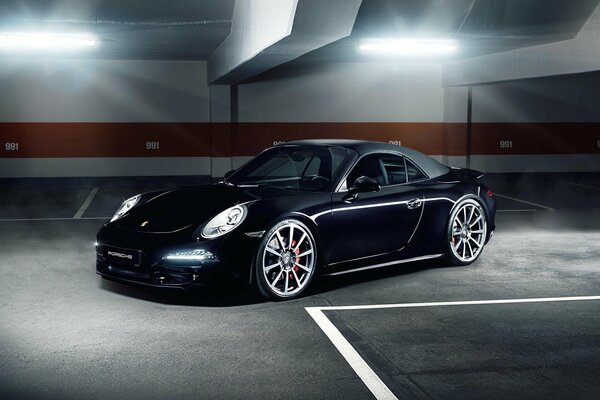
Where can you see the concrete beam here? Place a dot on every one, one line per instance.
(268, 33)
(577, 55)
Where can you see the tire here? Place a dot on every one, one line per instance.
(284, 268)
(466, 233)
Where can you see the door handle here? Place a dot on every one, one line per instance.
(413, 204)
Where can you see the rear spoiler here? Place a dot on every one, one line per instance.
(468, 173)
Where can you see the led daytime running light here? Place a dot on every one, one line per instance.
(190, 255)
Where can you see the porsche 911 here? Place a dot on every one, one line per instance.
(297, 211)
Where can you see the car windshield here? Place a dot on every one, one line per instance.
(309, 168)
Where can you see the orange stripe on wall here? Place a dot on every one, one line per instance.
(105, 139)
(536, 138)
(246, 139)
(251, 138)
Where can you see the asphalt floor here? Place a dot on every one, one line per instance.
(67, 334)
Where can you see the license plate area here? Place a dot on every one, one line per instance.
(123, 256)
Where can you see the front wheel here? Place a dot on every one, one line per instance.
(286, 260)
(467, 231)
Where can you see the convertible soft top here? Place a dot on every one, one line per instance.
(430, 166)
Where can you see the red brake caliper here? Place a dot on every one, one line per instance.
(297, 251)
(452, 240)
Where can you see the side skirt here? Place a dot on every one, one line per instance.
(408, 260)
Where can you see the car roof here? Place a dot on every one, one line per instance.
(430, 166)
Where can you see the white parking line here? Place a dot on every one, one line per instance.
(580, 185)
(362, 369)
(86, 203)
(360, 366)
(524, 201)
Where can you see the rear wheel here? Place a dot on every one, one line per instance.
(467, 231)
(286, 260)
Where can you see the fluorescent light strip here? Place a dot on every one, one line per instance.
(46, 41)
(408, 47)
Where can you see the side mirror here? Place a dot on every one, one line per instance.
(229, 173)
(364, 184)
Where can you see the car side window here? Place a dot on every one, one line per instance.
(367, 166)
(414, 173)
(395, 169)
(386, 169)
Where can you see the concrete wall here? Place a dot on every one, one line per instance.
(401, 103)
(546, 124)
(103, 118)
(97, 118)
(346, 92)
(119, 118)
(455, 126)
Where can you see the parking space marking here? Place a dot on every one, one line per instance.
(362, 369)
(360, 366)
(86, 203)
(524, 201)
(580, 185)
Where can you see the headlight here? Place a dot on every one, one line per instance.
(224, 222)
(126, 206)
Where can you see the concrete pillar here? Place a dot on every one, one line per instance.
(220, 130)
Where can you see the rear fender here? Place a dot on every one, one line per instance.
(467, 174)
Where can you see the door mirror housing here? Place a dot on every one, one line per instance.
(229, 173)
(364, 184)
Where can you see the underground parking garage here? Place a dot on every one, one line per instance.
(280, 199)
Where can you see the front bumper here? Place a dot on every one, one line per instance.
(230, 258)
(161, 275)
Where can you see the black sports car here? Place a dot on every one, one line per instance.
(300, 209)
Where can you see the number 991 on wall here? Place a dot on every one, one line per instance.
(11, 146)
(152, 145)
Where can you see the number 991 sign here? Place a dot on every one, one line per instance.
(11, 146)
(153, 145)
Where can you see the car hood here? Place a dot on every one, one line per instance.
(186, 207)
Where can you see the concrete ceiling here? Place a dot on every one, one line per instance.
(147, 29)
(199, 29)
(479, 26)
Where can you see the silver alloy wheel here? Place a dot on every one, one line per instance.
(288, 259)
(469, 229)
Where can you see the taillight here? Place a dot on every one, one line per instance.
(489, 193)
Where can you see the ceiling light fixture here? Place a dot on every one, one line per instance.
(408, 47)
(46, 41)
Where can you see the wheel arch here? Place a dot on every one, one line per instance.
(455, 208)
(471, 196)
(309, 223)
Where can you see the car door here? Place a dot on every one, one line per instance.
(368, 224)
